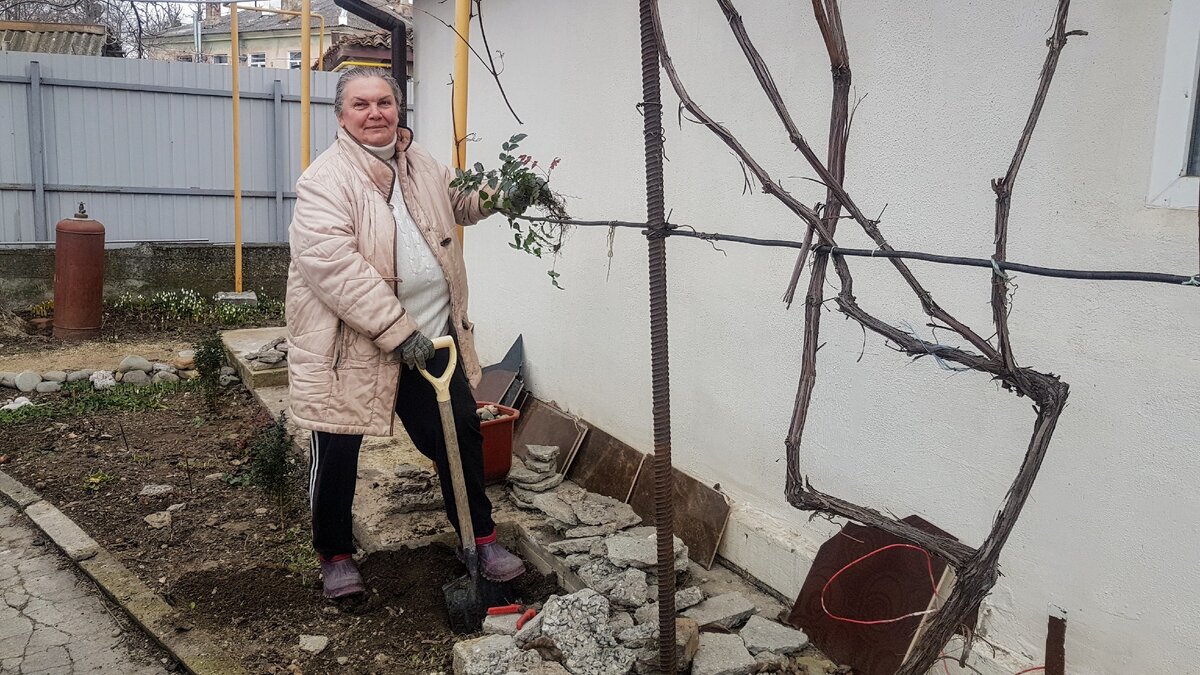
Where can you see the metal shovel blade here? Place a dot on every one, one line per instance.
(464, 605)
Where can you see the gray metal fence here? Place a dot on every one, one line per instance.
(148, 146)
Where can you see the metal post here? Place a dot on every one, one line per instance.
(305, 83)
(280, 166)
(237, 144)
(400, 65)
(664, 483)
(37, 154)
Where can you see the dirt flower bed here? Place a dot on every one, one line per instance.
(165, 487)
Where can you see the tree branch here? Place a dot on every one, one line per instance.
(1003, 186)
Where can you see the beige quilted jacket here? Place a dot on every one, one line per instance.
(343, 317)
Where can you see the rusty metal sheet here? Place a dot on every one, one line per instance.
(890, 584)
(701, 512)
(493, 385)
(542, 423)
(606, 466)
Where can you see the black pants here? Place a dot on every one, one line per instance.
(334, 468)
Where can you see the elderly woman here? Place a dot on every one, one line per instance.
(376, 272)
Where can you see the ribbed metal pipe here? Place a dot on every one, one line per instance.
(664, 493)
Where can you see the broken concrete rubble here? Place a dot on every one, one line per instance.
(569, 546)
(630, 589)
(488, 655)
(542, 453)
(578, 626)
(722, 654)
(762, 635)
(639, 549)
(726, 611)
(503, 624)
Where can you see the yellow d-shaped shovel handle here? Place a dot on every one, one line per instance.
(441, 384)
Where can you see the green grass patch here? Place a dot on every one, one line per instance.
(80, 398)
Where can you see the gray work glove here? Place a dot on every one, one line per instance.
(527, 195)
(416, 350)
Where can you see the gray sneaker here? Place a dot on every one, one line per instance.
(497, 564)
(342, 578)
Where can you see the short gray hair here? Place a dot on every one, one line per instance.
(363, 73)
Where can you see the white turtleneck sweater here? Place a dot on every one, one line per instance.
(422, 288)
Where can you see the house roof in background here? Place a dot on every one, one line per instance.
(54, 38)
(250, 21)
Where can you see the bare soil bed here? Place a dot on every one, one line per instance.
(241, 570)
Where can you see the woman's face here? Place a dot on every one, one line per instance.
(370, 112)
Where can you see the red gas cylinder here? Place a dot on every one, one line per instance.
(78, 277)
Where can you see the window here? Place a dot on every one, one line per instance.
(294, 61)
(220, 59)
(258, 60)
(1175, 171)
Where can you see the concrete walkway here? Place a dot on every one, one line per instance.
(53, 620)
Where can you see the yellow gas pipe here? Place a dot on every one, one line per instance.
(462, 24)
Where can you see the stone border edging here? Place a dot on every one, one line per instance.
(194, 649)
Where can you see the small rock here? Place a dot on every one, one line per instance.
(79, 375)
(542, 453)
(164, 368)
(116, 632)
(727, 611)
(132, 363)
(630, 589)
(502, 624)
(569, 546)
(688, 598)
(165, 376)
(722, 654)
(228, 370)
(343, 660)
(135, 377)
(330, 611)
(772, 659)
(156, 490)
(185, 360)
(261, 511)
(619, 621)
(548, 483)
(412, 471)
(8, 379)
(175, 508)
(313, 644)
(54, 376)
(382, 659)
(48, 387)
(484, 656)
(27, 381)
(762, 635)
(17, 403)
(539, 467)
(552, 506)
(158, 520)
(229, 380)
(102, 379)
(214, 476)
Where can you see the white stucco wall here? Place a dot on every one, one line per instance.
(1110, 533)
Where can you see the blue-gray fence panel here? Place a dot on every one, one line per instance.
(148, 146)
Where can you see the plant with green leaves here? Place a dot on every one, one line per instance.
(272, 465)
(515, 187)
(210, 356)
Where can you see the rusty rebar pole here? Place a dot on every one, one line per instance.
(664, 493)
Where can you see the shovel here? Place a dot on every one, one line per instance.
(466, 598)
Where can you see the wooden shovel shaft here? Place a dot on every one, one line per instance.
(459, 481)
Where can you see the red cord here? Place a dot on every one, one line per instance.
(933, 585)
(932, 581)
